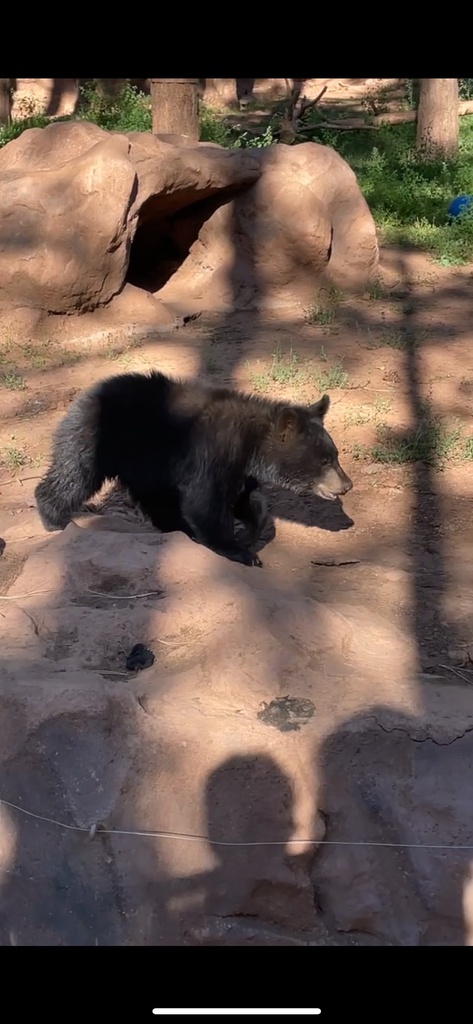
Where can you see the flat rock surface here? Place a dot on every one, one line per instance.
(268, 716)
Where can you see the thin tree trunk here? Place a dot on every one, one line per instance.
(5, 101)
(437, 118)
(175, 107)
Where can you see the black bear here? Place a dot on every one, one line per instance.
(251, 508)
(191, 456)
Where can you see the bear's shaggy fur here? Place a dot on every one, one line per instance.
(191, 456)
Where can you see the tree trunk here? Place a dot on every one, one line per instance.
(5, 101)
(175, 107)
(437, 118)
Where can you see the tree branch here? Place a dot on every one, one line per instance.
(396, 117)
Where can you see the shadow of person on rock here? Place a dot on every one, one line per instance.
(394, 787)
(249, 809)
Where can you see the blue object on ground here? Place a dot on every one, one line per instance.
(459, 205)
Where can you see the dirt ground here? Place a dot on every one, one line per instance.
(379, 357)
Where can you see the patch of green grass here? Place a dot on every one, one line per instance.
(358, 451)
(246, 140)
(36, 358)
(16, 128)
(13, 381)
(390, 337)
(290, 370)
(260, 381)
(127, 111)
(69, 356)
(322, 316)
(358, 415)
(376, 290)
(121, 350)
(284, 369)
(409, 198)
(382, 406)
(467, 449)
(334, 295)
(213, 128)
(37, 355)
(397, 338)
(6, 347)
(14, 457)
(431, 442)
(323, 312)
(331, 377)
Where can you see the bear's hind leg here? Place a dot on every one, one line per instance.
(251, 509)
(163, 509)
(213, 524)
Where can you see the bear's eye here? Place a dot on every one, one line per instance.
(325, 462)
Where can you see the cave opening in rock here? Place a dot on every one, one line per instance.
(168, 225)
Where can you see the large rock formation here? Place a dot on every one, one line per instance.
(267, 717)
(83, 212)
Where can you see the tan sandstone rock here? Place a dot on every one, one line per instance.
(83, 212)
(204, 744)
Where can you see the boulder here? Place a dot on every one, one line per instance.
(269, 723)
(84, 212)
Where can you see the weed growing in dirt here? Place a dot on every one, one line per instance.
(431, 442)
(322, 316)
(290, 370)
(50, 354)
(35, 356)
(376, 291)
(356, 416)
(467, 449)
(331, 377)
(392, 337)
(13, 458)
(12, 381)
(323, 312)
(382, 406)
(283, 370)
(120, 348)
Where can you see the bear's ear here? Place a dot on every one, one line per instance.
(288, 424)
(320, 408)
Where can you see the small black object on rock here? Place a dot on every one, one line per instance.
(139, 657)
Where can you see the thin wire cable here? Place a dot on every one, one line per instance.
(190, 838)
